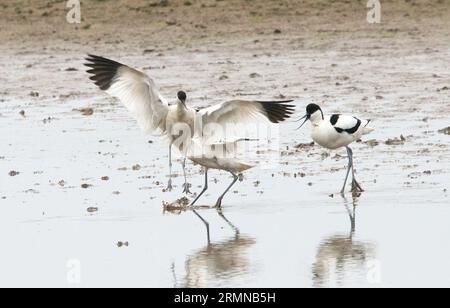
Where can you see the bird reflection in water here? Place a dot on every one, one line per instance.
(217, 261)
(340, 254)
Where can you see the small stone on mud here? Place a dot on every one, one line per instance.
(122, 244)
(372, 142)
(305, 146)
(396, 141)
(445, 131)
(85, 111)
(324, 155)
(47, 120)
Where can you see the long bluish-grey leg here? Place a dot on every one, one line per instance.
(186, 186)
(196, 199)
(169, 185)
(350, 164)
(355, 185)
(205, 188)
(219, 201)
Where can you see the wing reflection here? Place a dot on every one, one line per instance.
(340, 255)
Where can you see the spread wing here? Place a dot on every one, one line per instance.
(136, 90)
(239, 111)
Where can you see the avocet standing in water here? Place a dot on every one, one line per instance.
(337, 131)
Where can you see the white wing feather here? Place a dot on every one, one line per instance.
(135, 89)
(233, 112)
(138, 93)
(234, 116)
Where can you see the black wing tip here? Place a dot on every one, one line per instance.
(90, 56)
(278, 111)
(103, 70)
(93, 58)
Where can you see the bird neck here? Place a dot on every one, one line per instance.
(316, 117)
(181, 107)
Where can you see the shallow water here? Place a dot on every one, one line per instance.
(294, 231)
(290, 234)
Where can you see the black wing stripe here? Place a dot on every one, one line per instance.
(350, 131)
(355, 128)
(334, 119)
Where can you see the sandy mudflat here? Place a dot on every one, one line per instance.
(89, 187)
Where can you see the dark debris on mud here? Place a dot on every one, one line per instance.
(123, 244)
(396, 141)
(176, 207)
(85, 111)
(445, 131)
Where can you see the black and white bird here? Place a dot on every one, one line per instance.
(336, 131)
(138, 92)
